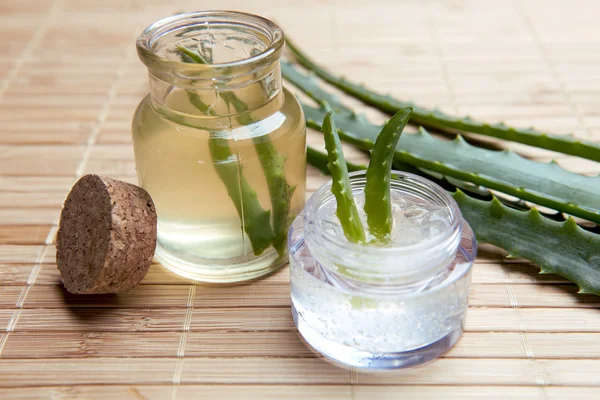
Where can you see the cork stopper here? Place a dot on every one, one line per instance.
(107, 236)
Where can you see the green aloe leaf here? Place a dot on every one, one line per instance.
(378, 206)
(191, 56)
(272, 163)
(435, 119)
(310, 86)
(557, 247)
(347, 211)
(561, 248)
(256, 221)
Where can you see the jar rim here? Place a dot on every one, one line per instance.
(150, 35)
(447, 239)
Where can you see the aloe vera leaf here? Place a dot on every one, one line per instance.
(310, 87)
(272, 163)
(194, 56)
(256, 221)
(481, 193)
(378, 206)
(280, 191)
(200, 105)
(435, 119)
(545, 184)
(558, 247)
(561, 248)
(346, 211)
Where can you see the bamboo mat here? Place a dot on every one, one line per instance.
(70, 80)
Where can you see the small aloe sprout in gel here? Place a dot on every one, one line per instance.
(378, 206)
(347, 212)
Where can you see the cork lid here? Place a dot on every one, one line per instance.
(107, 236)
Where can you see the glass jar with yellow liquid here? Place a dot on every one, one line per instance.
(219, 144)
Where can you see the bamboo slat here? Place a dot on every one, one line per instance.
(295, 392)
(156, 296)
(19, 254)
(28, 184)
(9, 296)
(293, 371)
(39, 160)
(35, 136)
(15, 274)
(276, 344)
(253, 319)
(50, 253)
(158, 275)
(5, 317)
(276, 294)
(540, 319)
(24, 234)
(62, 320)
(69, 84)
(31, 200)
(28, 216)
(475, 392)
(86, 371)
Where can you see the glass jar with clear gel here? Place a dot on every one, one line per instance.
(219, 144)
(382, 307)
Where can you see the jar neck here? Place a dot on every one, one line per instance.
(392, 267)
(239, 73)
(225, 106)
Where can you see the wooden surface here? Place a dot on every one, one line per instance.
(70, 80)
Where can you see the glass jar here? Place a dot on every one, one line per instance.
(219, 144)
(382, 307)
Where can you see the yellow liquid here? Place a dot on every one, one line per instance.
(200, 232)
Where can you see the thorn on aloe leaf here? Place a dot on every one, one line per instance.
(496, 208)
(459, 139)
(570, 225)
